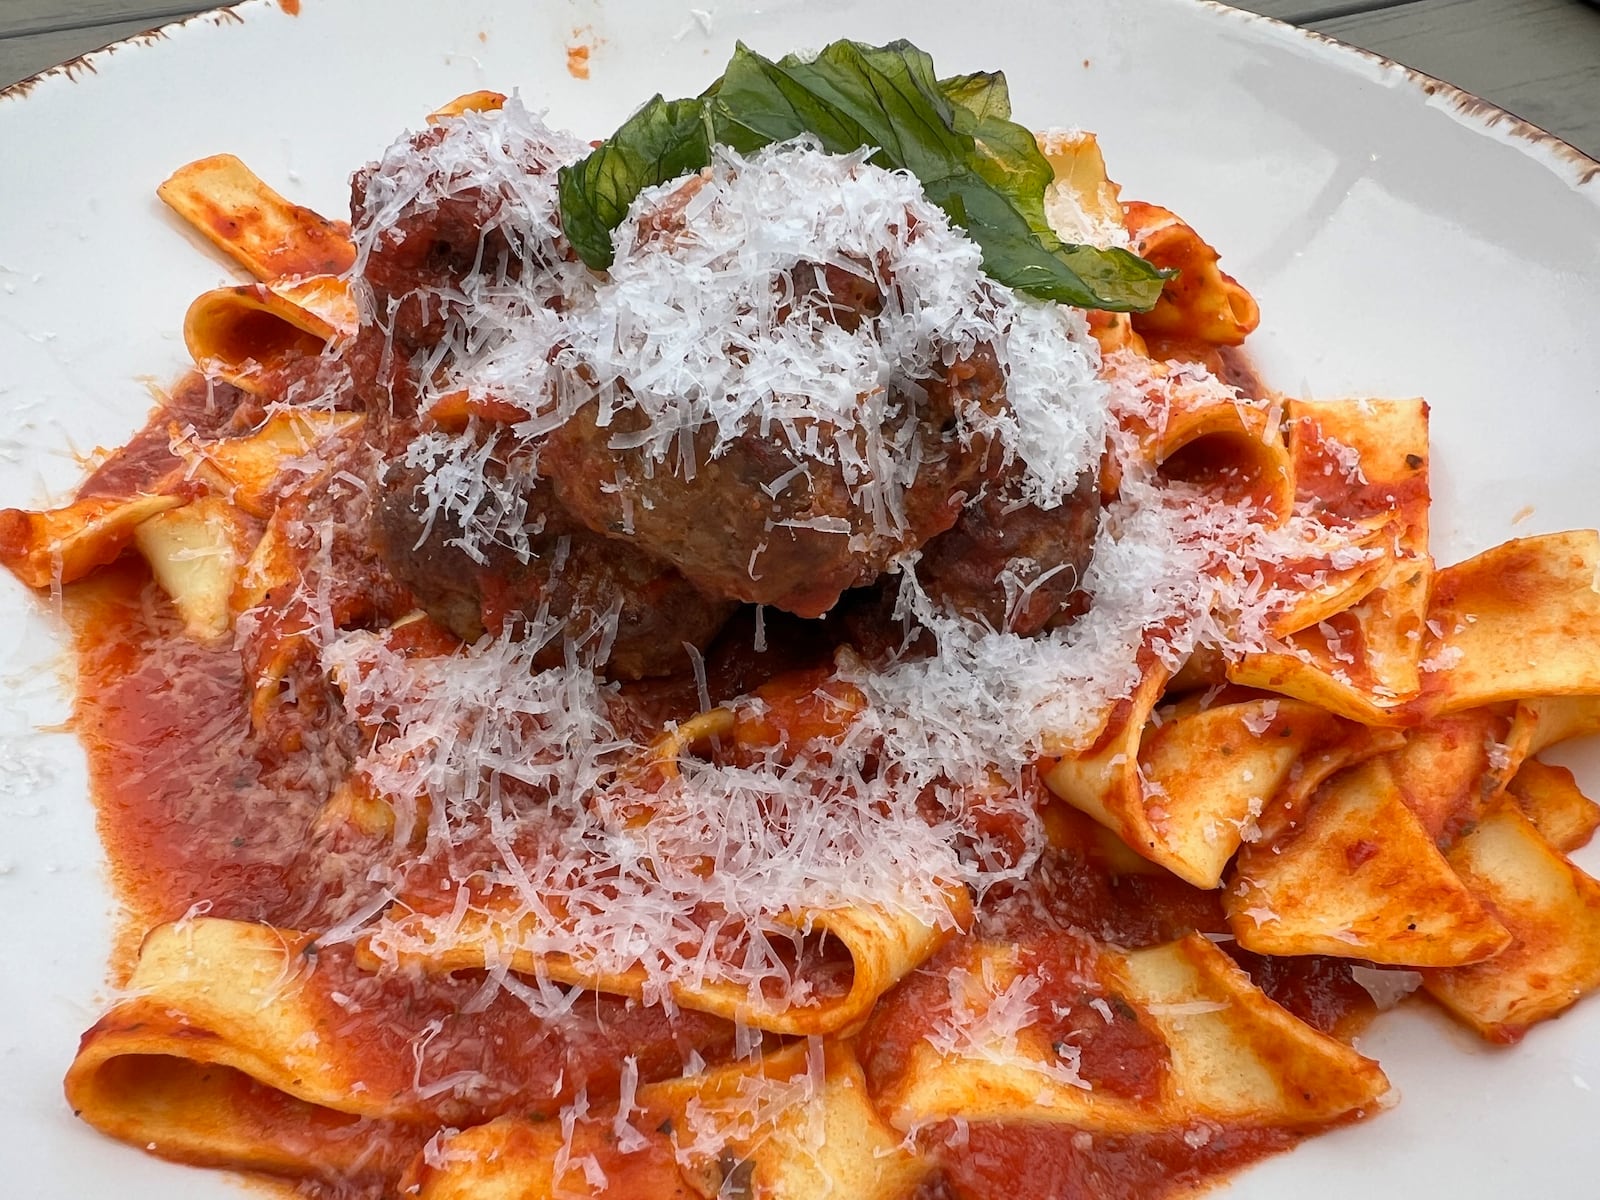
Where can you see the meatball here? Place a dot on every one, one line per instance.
(790, 377)
(460, 246)
(449, 214)
(794, 373)
(753, 524)
(421, 260)
(570, 575)
(1043, 553)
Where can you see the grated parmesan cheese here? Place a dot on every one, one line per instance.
(515, 777)
(985, 1022)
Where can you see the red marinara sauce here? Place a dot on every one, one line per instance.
(1055, 923)
(195, 820)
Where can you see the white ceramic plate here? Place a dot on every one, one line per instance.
(1400, 239)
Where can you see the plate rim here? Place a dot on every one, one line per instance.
(1485, 118)
(1272, 35)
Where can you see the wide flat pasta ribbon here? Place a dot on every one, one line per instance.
(61, 545)
(1552, 910)
(236, 211)
(1360, 877)
(1203, 303)
(1549, 797)
(881, 945)
(793, 1125)
(219, 1055)
(1518, 621)
(249, 334)
(1353, 645)
(197, 554)
(1205, 434)
(1185, 789)
(1234, 1057)
(291, 448)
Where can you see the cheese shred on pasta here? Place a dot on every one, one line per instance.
(553, 858)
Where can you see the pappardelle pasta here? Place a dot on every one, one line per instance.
(748, 660)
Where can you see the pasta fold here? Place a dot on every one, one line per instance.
(245, 334)
(1232, 1056)
(218, 1055)
(879, 948)
(237, 212)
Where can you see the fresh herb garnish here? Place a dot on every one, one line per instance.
(955, 135)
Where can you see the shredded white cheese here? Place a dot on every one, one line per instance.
(483, 748)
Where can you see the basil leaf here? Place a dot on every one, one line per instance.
(984, 171)
(955, 135)
(1009, 159)
(888, 94)
(665, 139)
(983, 94)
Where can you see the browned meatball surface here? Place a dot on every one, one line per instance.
(448, 215)
(1043, 552)
(571, 576)
(757, 523)
(757, 527)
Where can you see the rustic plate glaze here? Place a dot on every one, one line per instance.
(1402, 238)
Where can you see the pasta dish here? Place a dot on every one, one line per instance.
(786, 652)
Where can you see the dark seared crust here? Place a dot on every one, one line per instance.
(727, 533)
(430, 248)
(573, 574)
(423, 255)
(961, 569)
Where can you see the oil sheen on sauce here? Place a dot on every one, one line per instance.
(195, 818)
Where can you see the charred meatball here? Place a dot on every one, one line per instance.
(564, 572)
(1012, 565)
(786, 382)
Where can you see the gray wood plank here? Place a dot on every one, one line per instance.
(1537, 58)
(21, 17)
(1299, 12)
(34, 52)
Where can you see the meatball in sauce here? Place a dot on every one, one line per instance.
(794, 380)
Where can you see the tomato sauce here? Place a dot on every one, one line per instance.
(459, 1060)
(201, 814)
(987, 1162)
(194, 818)
(1322, 476)
(186, 813)
(196, 821)
(209, 408)
(1054, 923)
(1085, 1021)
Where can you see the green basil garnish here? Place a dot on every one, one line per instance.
(955, 135)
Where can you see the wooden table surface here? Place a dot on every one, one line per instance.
(1538, 58)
